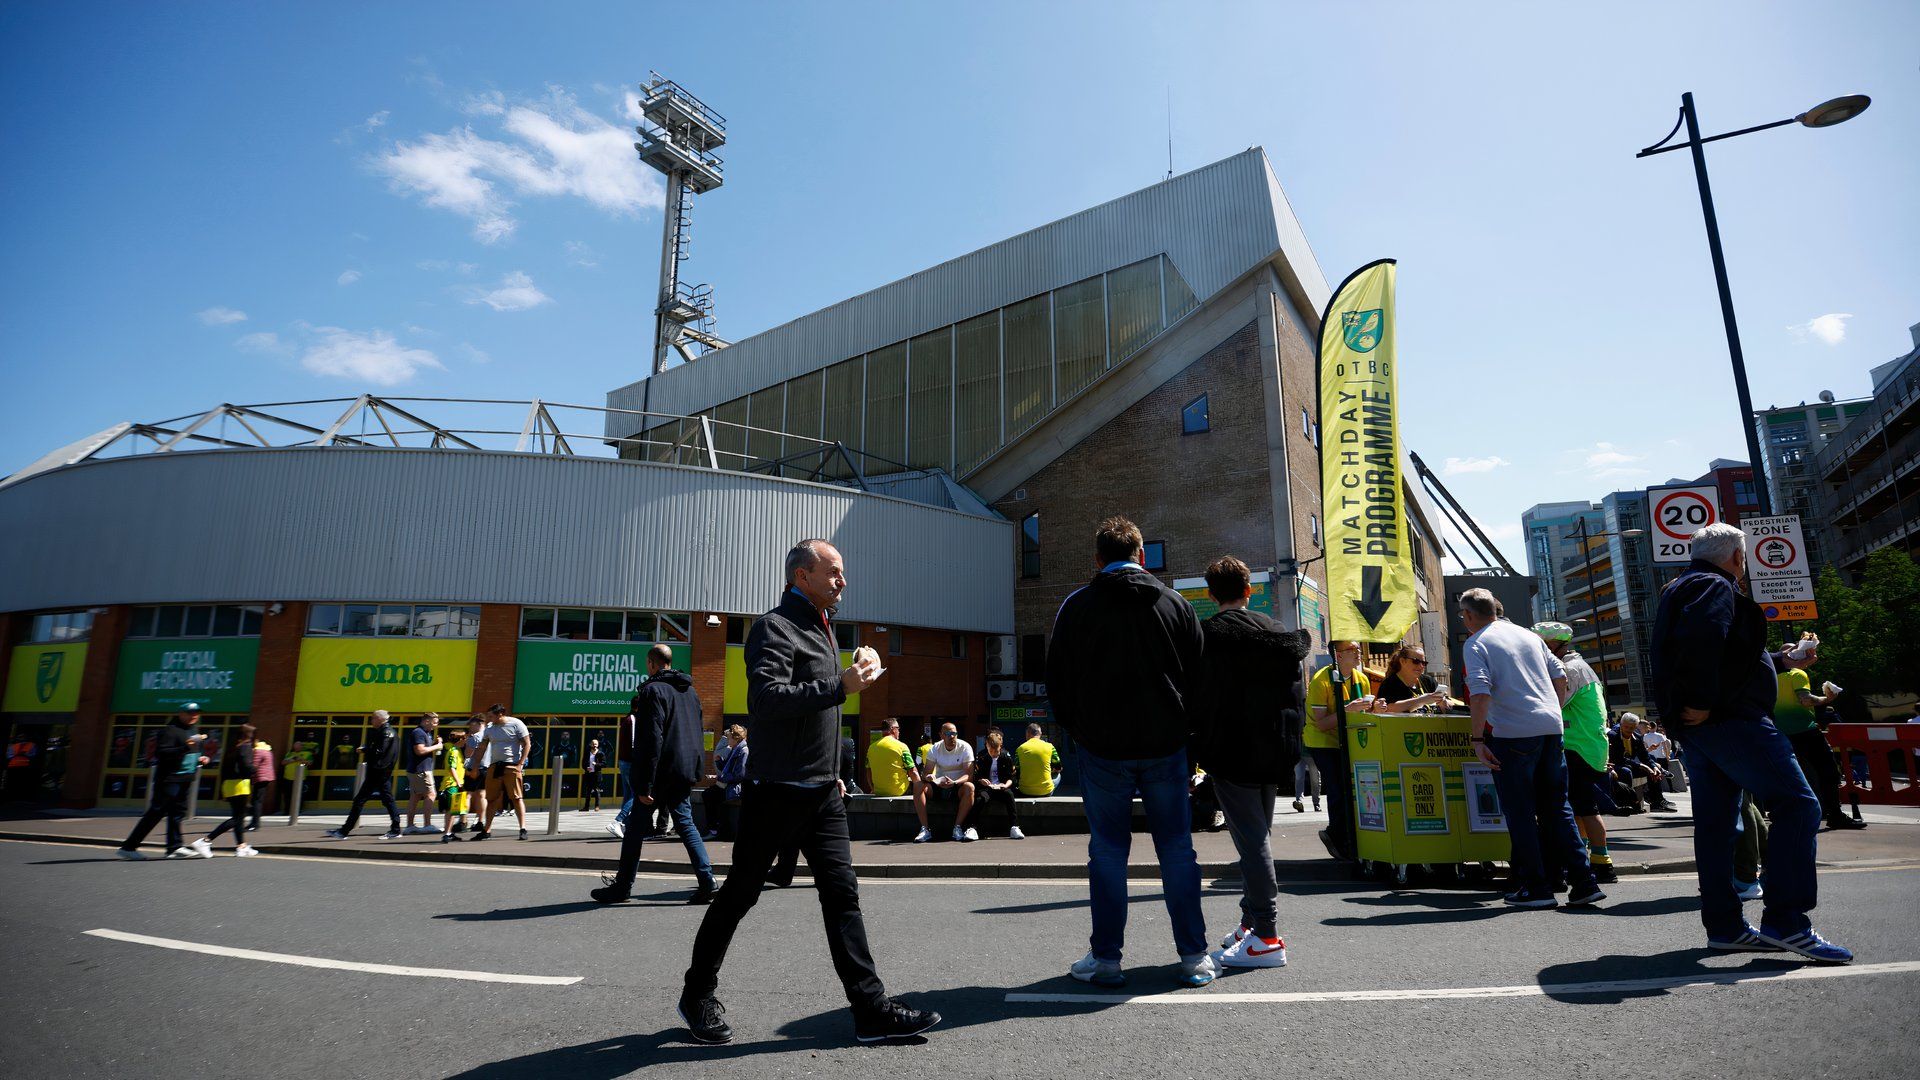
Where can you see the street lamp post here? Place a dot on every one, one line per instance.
(1826, 114)
(1586, 554)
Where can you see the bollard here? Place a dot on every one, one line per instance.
(553, 803)
(153, 783)
(359, 778)
(193, 797)
(299, 788)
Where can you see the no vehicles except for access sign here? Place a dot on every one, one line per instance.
(1777, 570)
(1677, 512)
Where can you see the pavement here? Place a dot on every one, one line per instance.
(1645, 843)
(346, 967)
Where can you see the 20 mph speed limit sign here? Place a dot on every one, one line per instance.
(1676, 512)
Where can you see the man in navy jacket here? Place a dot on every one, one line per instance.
(666, 764)
(793, 798)
(1714, 684)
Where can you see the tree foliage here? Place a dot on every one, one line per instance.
(1870, 636)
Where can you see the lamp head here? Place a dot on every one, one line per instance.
(1837, 111)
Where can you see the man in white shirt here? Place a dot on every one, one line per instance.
(507, 743)
(949, 779)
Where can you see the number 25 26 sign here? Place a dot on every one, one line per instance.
(1676, 512)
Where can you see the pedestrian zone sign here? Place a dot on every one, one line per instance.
(1677, 512)
(1777, 571)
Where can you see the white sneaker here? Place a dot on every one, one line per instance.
(925, 834)
(130, 855)
(957, 834)
(335, 834)
(1098, 972)
(1219, 819)
(1233, 939)
(1199, 970)
(1253, 951)
(181, 853)
(1015, 833)
(1748, 890)
(201, 849)
(970, 835)
(245, 851)
(617, 830)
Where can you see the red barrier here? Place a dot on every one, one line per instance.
(1883, 745)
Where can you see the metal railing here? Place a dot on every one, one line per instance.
(1867, 426)
(1896, 460)
(374, 422)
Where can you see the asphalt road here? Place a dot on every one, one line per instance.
(85, 1006)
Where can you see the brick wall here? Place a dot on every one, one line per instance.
(710, 672)
(92, 716)
(273, 679)
(1204, 495)
(494, 656)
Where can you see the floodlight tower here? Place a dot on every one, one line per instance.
(678, 138)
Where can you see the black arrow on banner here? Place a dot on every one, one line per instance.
(1371, 607)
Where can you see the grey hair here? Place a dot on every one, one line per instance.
(802, 556)
(1717, 542)
(1480, 602)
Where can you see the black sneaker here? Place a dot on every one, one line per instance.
(1531, 900)
(1326, 838)
(1586, 897)
(705, 1020)
(703, 895)
(1844, 822)
(892, 1020)
(523, 834)
(481, 834)
(1605, 874)
(612, 890)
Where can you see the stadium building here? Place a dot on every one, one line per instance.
(957, 434)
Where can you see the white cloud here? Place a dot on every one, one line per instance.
(516, 292)
(1455, 466)
(373, 356)
(377, 119)
(222, 316)
(1605, 461)
(478, 356)
(265, 343)
(552, 148)
(348, 277)
(1826, 329)
(579, 254)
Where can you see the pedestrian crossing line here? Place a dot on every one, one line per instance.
(1620, 986)
(338, 965)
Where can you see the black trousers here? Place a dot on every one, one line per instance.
(238, 822)
(258, 800)
(374, 787)
(1336, 784)
(170, 802)
(775, 818)
(985, 797)
(1823, 776)
(714, 801)
(590, 785)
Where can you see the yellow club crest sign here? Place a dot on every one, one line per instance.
(1369, 558)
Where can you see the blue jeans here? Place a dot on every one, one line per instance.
(1108, 788)
(1532, 785)
(1724, 759)
(626, 785)
(682, 814)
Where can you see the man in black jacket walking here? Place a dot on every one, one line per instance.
(795, 687)
(666, 764)
(1122, 670)
(1246, 730)
(1713, 680)
(379, 752)
(176, 768)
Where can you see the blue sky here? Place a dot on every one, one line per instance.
(251, 203)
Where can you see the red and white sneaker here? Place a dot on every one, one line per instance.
(1233, 939)
(1254, 951)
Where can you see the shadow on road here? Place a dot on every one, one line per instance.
(676, 898)
(1664, 905)
(1569, 982)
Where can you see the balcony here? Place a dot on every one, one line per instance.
(1867, 496)
(1890, 416)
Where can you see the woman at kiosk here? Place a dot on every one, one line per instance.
(1407, 687)
(1340, 685)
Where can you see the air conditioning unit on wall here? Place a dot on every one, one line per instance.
(1000, 690)
(1002, 655)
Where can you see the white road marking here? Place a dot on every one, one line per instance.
(1626, 986)
(338, 965)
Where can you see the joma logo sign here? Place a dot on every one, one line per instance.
(402, 674)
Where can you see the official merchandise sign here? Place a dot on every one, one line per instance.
(403, 675)
(160, 675)
(1259, 595)
(1777, 570)
(587, 677)
(45, 678)
(1675, 513)
(1369, 558)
